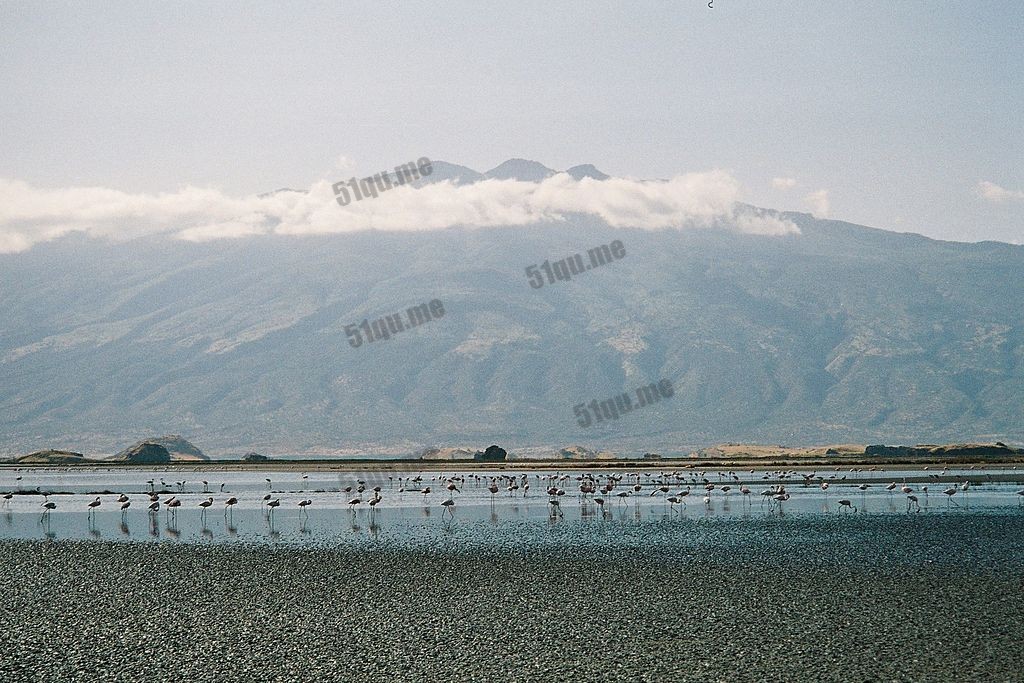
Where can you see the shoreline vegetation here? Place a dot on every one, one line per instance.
(188, 458)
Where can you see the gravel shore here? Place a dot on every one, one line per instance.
(803, 599)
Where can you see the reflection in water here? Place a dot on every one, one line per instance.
(124, 529)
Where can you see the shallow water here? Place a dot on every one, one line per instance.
(477, 517)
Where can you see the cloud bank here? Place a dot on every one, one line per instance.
(994, 193)
(819, 204)
(783, 183)
(30, 215)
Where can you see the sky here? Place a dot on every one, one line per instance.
(900, 115)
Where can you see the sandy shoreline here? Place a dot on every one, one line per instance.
(837, 599)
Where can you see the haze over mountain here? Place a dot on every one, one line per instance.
(835, 333)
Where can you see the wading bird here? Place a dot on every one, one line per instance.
(845, 503)
(950, 492)
(912, 501)
(93, 505)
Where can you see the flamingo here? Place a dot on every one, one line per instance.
(47, 507)
(229, 504)
(1020, 499)
(950, 492)
(122, 498)
(845, 503)
(154, 506)
(449, 507)
(93, 505)
(273, 505)
(7, 499)
(124, 508)
(912, 500)
(205, 505)
(352, 504)
(303, 504)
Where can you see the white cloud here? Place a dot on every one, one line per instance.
(29, 215)
(818, 203)
(995, 193)
(783, 183)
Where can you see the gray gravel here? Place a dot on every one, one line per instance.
(854, 598)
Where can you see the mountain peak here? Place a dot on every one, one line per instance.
(520, 169)
(587, 171)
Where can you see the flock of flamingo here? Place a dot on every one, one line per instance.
(603, 490)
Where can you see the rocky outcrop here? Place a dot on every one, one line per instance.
(51, 457)
(144, 453)
(492, 454)
(179, 448)
(253, 456)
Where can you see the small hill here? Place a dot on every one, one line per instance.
(494, 453)
(253, 456)
(179, 448)
(144, 453)
(52, 457)
(584, 453)
(446, 454)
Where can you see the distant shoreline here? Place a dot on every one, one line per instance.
(416, 465)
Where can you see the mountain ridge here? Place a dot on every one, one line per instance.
(839, 334)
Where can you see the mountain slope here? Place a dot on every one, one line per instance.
(838, 334)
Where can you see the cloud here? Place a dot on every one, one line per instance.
(783, 183)
(30, 215)
(995, 193)
(818, 203)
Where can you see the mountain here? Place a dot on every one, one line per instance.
(587, 171)
(839, 334)
(442, 171)
(520, 169)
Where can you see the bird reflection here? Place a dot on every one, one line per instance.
(124, 529)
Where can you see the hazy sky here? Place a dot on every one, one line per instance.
(902, 115)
